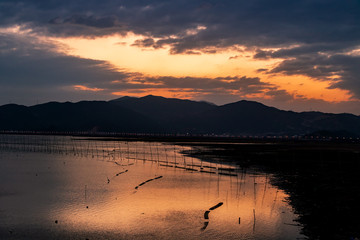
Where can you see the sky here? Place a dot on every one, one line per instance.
(294, 55)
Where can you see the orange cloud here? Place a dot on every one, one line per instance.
(84, 88)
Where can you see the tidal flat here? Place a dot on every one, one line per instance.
(61, 187)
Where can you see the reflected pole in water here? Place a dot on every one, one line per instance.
(92, 149)
(97, 151)
(254, 221)
(255, 190)
(182, 149)
(192, 157)
(266, 181)
(218, 185)
(273, 206)
(88, 148)
(151, 156)
(166, 158)
(157, 152)
(103, 150)
(175, 155)
(114, 151)
(120, 151)
(136, 155)
(237, 189)
(73, 145)
(128, 151)
(144, 148)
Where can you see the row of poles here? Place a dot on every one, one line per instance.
(167, 155)
(126, 153)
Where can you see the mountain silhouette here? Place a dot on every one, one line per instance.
(153, 114)
(81, 116)
(248, 117)
(174, 115)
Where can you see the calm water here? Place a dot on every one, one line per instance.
(65, 188)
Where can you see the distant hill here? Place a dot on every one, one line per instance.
(247, 117)
(171, 113)
(152, 114)
(81, 116)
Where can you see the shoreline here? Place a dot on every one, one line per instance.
(195, 138)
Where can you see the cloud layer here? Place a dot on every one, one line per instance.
(29, 64)
(318, 39)
(187, 25)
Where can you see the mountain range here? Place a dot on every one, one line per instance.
(153, 114)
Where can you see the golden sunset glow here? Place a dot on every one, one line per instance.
(186, 120)
(302, 86)
(181, 56)
(163, 202)
(84, 88)
(119, 51)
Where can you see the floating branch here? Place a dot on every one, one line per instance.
(123, 165)
(205, 226)
(147, 181)
(206, 215)
(121, 172)
(216, 206)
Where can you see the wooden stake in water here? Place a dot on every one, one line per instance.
(175, 154)
(128, 151)
(151, 156)
(254, 221)
(157, 153)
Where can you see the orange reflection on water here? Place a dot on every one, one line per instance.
(175, 204)
(110, 190)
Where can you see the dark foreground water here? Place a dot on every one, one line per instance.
(321, 179)
(63, 188)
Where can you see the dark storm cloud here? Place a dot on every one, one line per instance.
(252, 23)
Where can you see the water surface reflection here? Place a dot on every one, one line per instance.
(133, 190)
